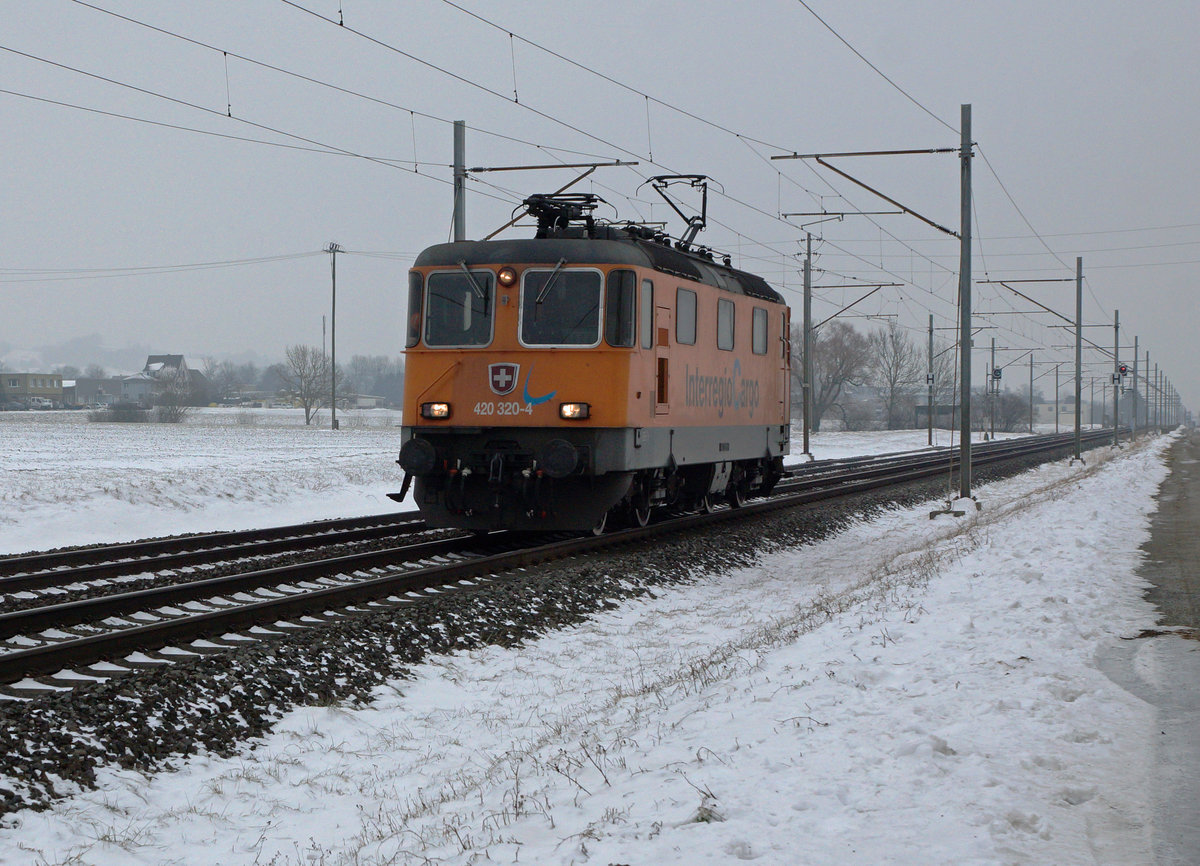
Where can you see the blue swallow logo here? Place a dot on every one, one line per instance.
(531, 400)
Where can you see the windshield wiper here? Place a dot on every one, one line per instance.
(471, 277)
(550, 282)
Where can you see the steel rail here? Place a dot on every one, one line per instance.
(842, 469)
(70, 613)
(40, 570)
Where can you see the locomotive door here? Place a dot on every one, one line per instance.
(662, 360)
(785, 360)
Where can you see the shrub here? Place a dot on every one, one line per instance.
(123, 413)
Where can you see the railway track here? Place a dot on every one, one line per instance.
(39, 570)
(61, 644)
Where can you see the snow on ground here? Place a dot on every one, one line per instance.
(65, 480)
(911, 691)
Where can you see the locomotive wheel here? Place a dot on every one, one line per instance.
(707, 504)
(639, 513)
(601, 524)
(736, 495)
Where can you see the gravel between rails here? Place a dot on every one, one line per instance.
(148, 718)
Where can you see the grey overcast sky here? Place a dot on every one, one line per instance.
(172, 170)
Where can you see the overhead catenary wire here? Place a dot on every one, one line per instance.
(881, 74)
(316, 81)
(192, 105)
(38, 275)
(198, 131)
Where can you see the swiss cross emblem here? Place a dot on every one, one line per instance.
(502, 377)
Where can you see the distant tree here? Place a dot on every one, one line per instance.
(272, 378)
(1012, 411)
(840, 358)
(306, 374)
(378, 375)
(247, 375)
(67, 371)
(859, 413)
(95, 371)
(222, 377)
(173, 395)
(894, 369)
(390, 386)
(1011, 408)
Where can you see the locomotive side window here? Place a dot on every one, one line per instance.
(459, 309)
(647, 314)
(619, 322)
(560, 307)
(758, 339)
(685, 317)
(724, 324)
(416, 290)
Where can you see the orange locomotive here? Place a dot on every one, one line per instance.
(594, 370)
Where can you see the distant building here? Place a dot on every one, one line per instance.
(1044, 413)
(138, 390)
(41, 390)
(945, 415)
(90, 391)
(158, 366)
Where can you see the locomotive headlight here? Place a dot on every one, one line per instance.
(507, 277)
(574, 411)
(435, 410)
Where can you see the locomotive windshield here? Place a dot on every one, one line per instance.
(459, 309)
(560, 307)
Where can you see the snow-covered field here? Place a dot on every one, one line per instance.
(65, 480)
(910, 691)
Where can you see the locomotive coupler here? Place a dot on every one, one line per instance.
(496, 469)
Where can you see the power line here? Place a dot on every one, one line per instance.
(609, 78)
(209, 132)
(878, 71)
(192, 105)
(1074, 234)
(459, 78)
(311, 80)
(44, 275)
(1027, 255)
